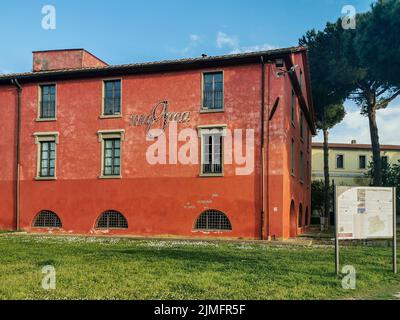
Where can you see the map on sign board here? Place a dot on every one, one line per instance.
(364, 212)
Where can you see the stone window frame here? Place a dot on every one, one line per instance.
(39, 101)
(207, 129)
(110, 134)
(103, 95)
(45, 137)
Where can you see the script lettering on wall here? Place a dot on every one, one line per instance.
(159, 115)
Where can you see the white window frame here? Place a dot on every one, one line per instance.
(45, 137)
(206, 130)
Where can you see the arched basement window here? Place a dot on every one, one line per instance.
(213, 220)
(47, 219)
(112, 220)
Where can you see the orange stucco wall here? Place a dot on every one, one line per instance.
(155, 199)
(64, 59)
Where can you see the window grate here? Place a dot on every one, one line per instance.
(213, 220)
(112, 220)
(212, 154)
(47, 219)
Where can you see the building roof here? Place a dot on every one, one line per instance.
(356, 146)
(150, 66)
(175, 65)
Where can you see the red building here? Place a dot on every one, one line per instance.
(211, 146)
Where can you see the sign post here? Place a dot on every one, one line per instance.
(336, 234)
(394, 246)
(365, 213)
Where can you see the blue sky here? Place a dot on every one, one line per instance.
(137, 30)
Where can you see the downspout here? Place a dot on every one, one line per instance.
(262, 148)
(17, 173)
(268, 131)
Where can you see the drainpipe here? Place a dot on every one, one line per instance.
(17, 173)
(262, 147)
(267, 156)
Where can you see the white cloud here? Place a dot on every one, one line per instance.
(356, 127)
(194, 38)
(194, 41)
(225, 40)
(232, 42)
(262, 47)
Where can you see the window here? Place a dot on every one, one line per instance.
(47, 158)
(339, 161)
(46, 155)
(47, 219)
(292, 157)
(213, 91)
(47, 102)
(301, 167)
(293, 107)
(362, 162)
(385, 162)
(112, 157)
(301, 126)
(111, 220)
(112, 98)
(211, 151)
(213, 220)
(111, 150)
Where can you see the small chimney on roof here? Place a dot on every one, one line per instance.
(353, 141)
(65, 59)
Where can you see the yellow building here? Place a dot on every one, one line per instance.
(348, 163)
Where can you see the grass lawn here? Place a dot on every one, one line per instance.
(115, 268)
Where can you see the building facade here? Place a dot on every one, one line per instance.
(349, 163)
(209, 147)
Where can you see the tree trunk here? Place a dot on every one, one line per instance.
(326, 179)
(376, 148)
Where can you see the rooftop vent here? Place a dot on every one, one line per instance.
(65, 59)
